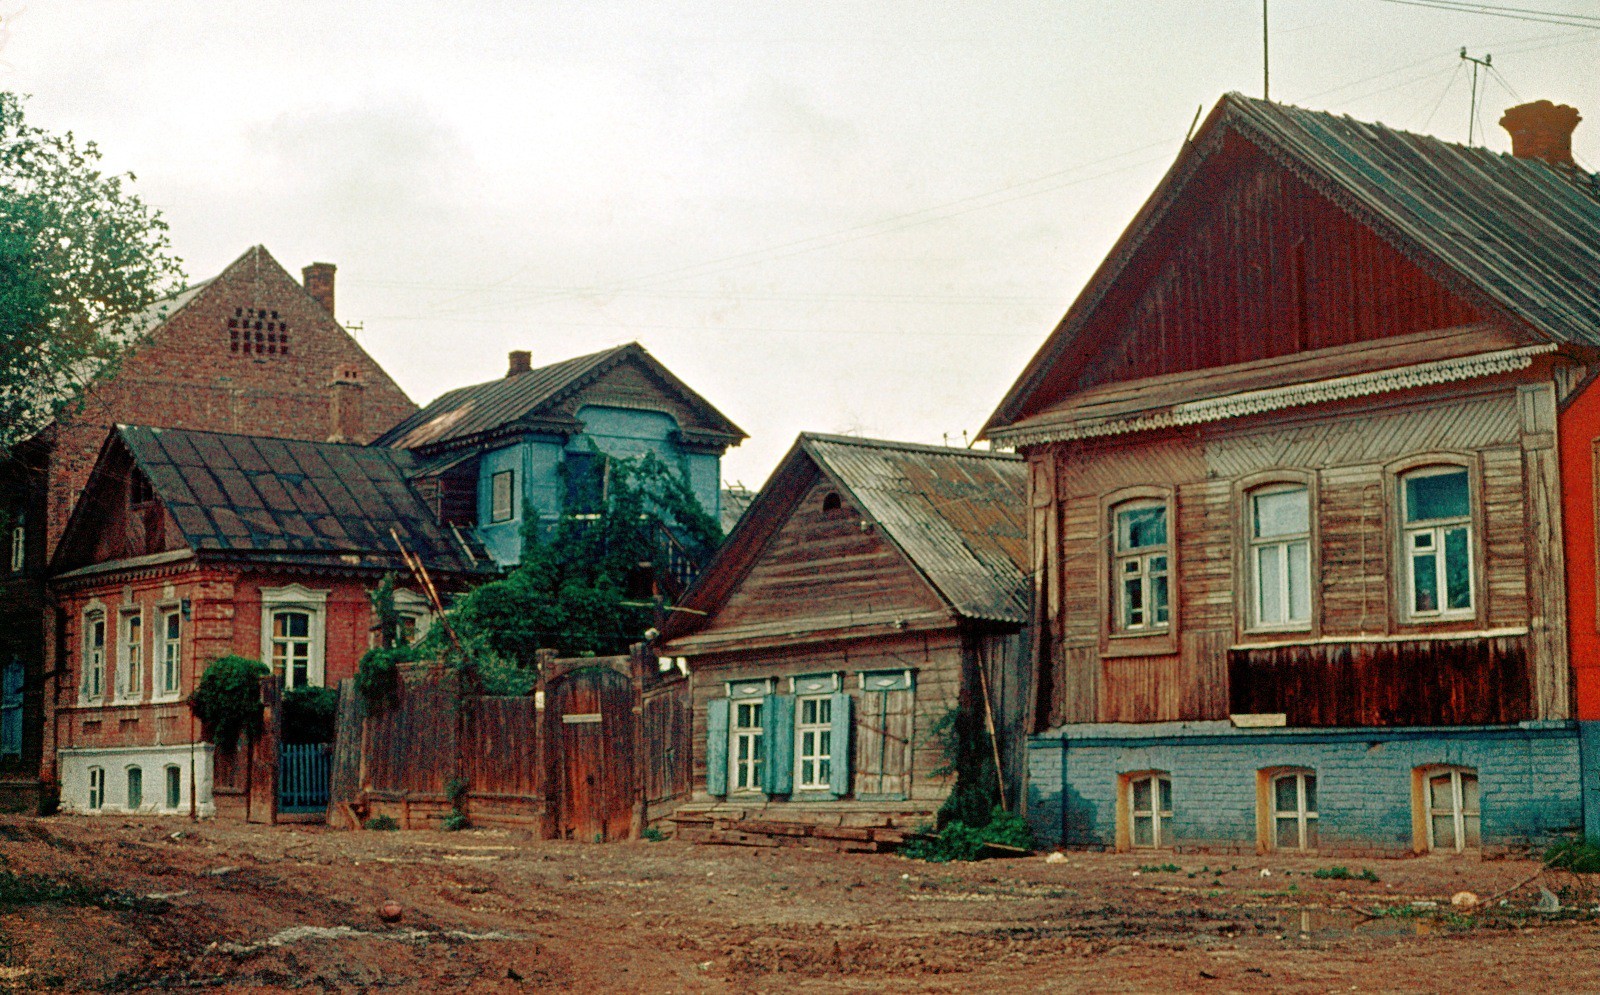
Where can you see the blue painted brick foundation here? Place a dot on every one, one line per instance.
(1529, 778)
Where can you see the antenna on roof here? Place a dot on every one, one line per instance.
(355, 328)
(1266, 76)
(1486, 62)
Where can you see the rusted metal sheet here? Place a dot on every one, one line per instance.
(1410, 683)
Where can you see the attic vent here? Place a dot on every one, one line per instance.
(831, 503)
(257, 332)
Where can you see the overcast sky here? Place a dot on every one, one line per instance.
(838, 217)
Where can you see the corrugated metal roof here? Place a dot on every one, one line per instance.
(471, 411)
(959, 515)
(291, 500)
(1524, 232)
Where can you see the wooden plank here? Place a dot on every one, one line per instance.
(1547, 607)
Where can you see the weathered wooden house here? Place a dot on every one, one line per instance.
(1312, 488)
(536, 440)
(188, 546)
(870, 589)
(249, 350)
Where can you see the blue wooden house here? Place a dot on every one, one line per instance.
(536, 441)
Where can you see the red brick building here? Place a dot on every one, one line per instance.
(189, 546)
(249, 350)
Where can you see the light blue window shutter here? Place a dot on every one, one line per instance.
(777, 744)
(839, 772)
(11, 683)
(717, 746)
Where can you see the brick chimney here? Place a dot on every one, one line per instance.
(521, 362)
(1542, 130)
(344, 405)
(318, 279)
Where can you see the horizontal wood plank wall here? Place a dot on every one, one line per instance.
(935, 656)
(629, 386)
(822, 567)
(1351, 447)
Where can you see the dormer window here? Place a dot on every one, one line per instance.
(139, 490)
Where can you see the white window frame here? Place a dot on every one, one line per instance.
(497, 513)
(415, 609)
(1456, 810)
(295, 598)
(1139, 564)
(169, 659)
(130, 654)
(1159, 814)
(1304, 814)
(97, 789)
(1279, 548)
(19, 547)
(1432, 531)
(819, 752)
(744, 773)
(94, 654)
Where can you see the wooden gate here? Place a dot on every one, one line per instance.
(590, 717)
(303, 777)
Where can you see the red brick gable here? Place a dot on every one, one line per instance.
(197, 372)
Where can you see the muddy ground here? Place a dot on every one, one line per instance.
(130, 905)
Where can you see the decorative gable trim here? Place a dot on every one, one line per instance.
(1257, 402)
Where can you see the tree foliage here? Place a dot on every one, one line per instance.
(228, 699)
(582, 588)
(83, 263)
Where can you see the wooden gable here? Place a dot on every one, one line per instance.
(1236, 259)
(118, 516)
(824, 566)
(636, 383)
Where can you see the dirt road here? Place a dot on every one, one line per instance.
(129, 905)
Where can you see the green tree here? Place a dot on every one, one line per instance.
(83, 263)
(579, 589)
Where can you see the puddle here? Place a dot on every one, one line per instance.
(1340, 924)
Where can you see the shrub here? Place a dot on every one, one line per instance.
(499, 676)
(228, 699)
(378, 674)
(959, 841)
(1578, 856)
(309, 714)
(454, 821)
(382, 823)
(653, 834)
(1343, 874)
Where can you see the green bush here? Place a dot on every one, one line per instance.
(1578, 856)
(455, 820)
(228, 699)
(653, 834)
(959, 841)
(499, 676)
(309, 715)
(378, 673)
(382, 823)
(1343, 874)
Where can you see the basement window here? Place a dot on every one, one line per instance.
(1145, 811)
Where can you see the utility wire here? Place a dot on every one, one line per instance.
(1510, 13)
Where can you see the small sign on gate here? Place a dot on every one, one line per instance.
(581, 718)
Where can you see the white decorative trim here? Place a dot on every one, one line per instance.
(1403, 637)
(315, 604)
(1255, 402)
(417, 608)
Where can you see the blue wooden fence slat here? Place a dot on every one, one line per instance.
(303, 770)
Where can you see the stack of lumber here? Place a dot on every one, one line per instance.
(705, 827)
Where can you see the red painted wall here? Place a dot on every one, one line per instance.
(1578, 428)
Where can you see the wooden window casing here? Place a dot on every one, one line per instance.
(1248, 550)
(135, 797)
(502, 496)
(1121, 563)
(1402, 533)
(1286, 810)
(94, 655)
(174, 786)
(1445, 809)
(813, 731)
(1144, 810)
(745, 747)
(130, 662)
(169, 658)
(97, 788)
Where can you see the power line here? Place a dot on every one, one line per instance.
(1510, 13)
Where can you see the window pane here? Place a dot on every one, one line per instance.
(808, 711)
(1299, 582)
(1288, 837)
(1311, 834)
(1311, 793)
(1457, 568)
(1444, 832)
(1269, 601)
(173, 783)
(1437, 495)
(824, 771)
(1141, 795)
(1425, 583)
(1440, 795)
(1473, 836)
(827, 744)
(135, 787)
(824, 711)
(1143, 831)
(808, 770)
(1158, 599)
(1286, 794)
(1132, 603)
(1469, 792)
(1138, 528)
(1166, 794)
(1282, 513)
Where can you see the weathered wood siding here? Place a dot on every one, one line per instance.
(1349, 453)
(1252, 263)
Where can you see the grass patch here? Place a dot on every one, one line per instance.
(652, 834)
(1578, 856)
(959, 841)
(382, 823)
(1160, 869)
(1344, 874)
(19, 891)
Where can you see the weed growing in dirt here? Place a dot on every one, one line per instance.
(382, 823)
(653, 834)
(1160, 869)
(1578, 856)
(453, 821)
(22, 890)
(1344, 874)
(959, 841)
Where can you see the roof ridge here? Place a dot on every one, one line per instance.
(253, 435)
(856, 440)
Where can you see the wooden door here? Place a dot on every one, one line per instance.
(590, 713)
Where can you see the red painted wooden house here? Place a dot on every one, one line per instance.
(188, 546)
(1312, 497)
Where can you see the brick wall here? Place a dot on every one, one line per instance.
(1528, 776)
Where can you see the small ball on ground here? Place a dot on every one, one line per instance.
(389, 911)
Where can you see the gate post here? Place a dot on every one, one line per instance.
(641, 659)
(262, 804)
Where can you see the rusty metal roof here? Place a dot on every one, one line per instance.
(466, 413)
(1518, 235)
(959, 515)
(293, 501)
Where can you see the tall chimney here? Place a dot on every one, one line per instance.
(1542, 130)
(521, 362)
(344, 406)
(319, 283)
